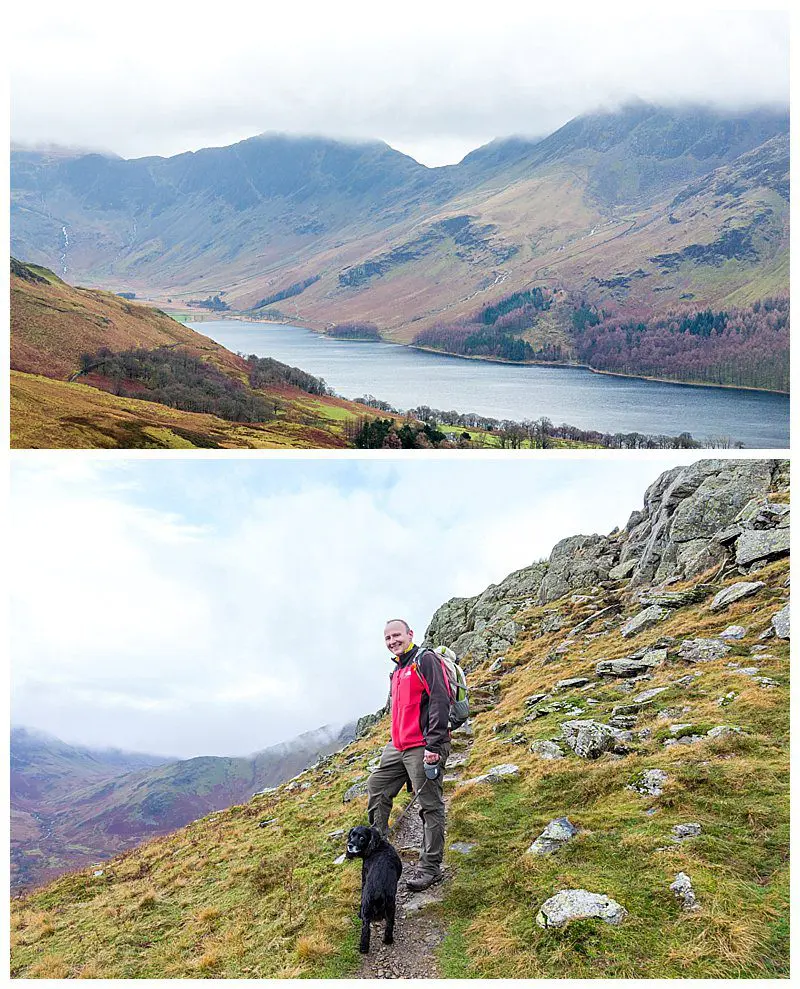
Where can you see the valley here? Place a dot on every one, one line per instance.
(642, 216)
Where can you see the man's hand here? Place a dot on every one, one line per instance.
(430, 757)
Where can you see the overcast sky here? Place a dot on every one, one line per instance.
(215, 607)
(433, 79)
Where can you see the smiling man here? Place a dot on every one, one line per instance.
(420, 706)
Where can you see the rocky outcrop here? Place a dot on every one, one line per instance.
(710, 513)
(577, 563)
(674, 535)
(482, 627)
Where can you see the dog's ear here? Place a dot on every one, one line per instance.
(374, 840)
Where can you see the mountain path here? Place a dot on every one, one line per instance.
(417, 932)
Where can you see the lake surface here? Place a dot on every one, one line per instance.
(408, 378)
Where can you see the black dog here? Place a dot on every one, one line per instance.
(379, 875)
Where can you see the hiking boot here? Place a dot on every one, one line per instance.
(422, 880)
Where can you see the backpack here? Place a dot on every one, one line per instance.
(456, 684)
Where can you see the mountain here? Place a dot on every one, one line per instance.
(72, 805)
(635, 684)
(374, 236)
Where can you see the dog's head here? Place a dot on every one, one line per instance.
(362, 842)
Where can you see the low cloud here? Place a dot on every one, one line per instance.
(437, 82)
(151, 611)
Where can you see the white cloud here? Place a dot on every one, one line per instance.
(152, 612)
(436, 81)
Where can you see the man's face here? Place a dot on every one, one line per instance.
(397, 638)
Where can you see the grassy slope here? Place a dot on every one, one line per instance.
(50, 414)
(52, 324)
(227, 898)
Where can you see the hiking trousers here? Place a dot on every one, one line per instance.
(388, 780)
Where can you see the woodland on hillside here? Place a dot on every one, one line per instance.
(740, 346)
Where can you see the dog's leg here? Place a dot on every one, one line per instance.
(388, 934)
(364, 946)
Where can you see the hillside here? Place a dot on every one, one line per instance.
(72, 806)
(91, 369)
(360, 233)
(636, 684)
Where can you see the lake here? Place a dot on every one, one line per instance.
(407, 378)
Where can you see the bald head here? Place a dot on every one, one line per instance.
(398, 636)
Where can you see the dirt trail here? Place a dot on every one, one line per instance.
(417, 933)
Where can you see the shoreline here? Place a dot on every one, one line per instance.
(499, 360)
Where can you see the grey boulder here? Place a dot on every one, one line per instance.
(702, 650)
(579, 904)
(589, 739)
(644, 619)
(735, 593)
(780, 622)
(557, 833)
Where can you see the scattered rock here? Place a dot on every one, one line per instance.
(356, 790)
(648, 695)
(463, 847)
(702, 650)
(546, 750)
(681, 832)
(682, 888)
(627, 667)
(579, 904)
(727, 699)
(682, 740)
(624, 721)
(534, 699)
(780, 623)
(339, 833)
(735, 593)
(496, 773)
(644, 619)
(571, 683)
(497, 665)
(557, 833)
(650, 783)
(589, 739)
(418, 902)
(723, 731)
(677, 599)
(340, 860)
(97, 873)
(733, 632)
(274, 820)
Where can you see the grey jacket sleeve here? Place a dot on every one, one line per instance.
(437, 733)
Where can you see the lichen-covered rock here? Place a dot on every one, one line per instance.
(572, 683)
(557, 833)
(546, 749)
(723, 731)
(681, 832)
(356, 790)
(626, 667)
(650, 783)
(589, 739)
(682, 888)
(780, 622)
(648, 695)
(579, 904)
(735, 592)
(644, 619)
(702, 650)
(733, 632)
(576, 563)
(496, 773)
(463, 847)
(764, 544)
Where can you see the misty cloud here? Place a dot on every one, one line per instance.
(436, 82)
(217, 607)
